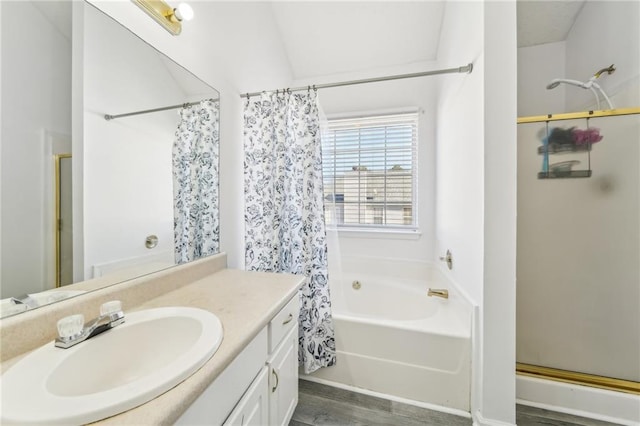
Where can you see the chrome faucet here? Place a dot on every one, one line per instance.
(26, 300)
(73, 330)
(438, 292)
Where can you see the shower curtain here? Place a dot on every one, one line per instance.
(195, 182)
(284, 210)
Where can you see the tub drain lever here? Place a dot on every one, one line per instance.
(448, 258)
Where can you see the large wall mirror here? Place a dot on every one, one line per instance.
(86, 201)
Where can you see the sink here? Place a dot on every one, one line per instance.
(153, 351)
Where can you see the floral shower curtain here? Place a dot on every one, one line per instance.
(284, 210)
(195, 182)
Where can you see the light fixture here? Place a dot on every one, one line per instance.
(183, 12)
(170, 18)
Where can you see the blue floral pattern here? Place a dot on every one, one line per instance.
(284, 210)
(195, 182)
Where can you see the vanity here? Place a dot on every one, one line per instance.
(251, 379)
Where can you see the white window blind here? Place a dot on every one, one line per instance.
(369, 171)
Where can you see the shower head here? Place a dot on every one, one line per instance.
(590, 84)
(556, 82)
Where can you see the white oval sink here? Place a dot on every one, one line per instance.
(150, 353)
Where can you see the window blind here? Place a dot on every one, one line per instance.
(369, 171)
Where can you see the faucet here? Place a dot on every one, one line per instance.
(73, 330)
(438, 292)
(26, 300)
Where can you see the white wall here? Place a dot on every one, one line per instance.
(383, 98)
(579, 239)
(475, 196)
(499, 298)
(460, 147)
(1, 156)
(459, 168)
(537, 66)
(605, 33)
(77, 132)
(35, 98)
(225, 51)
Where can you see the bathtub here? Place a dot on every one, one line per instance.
(392, 339)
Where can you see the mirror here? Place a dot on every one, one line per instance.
(88, 202)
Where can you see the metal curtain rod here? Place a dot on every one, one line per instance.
(464, 69)
(146, 111)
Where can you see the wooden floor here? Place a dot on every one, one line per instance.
(325, 405)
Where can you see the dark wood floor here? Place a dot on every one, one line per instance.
(321, 405)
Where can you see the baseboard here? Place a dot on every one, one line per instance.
(420, 404)
(479, 420)
(599, 404)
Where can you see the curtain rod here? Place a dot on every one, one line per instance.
(146, 111)
(464, 69)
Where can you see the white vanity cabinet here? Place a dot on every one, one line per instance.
(253, 408)
(260, 386)
(283, 364)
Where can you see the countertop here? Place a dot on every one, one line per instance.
(245, 302)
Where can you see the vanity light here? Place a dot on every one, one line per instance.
(170, 18)
(183, 12)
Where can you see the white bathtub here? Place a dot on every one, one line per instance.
(392, 339)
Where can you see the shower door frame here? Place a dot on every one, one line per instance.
(58, 216)
(566, 376)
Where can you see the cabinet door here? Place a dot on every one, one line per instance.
(283, 380)
(221, 396)
(253, 408)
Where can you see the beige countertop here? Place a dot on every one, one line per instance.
(244, 302)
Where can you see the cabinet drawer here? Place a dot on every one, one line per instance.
(284, 321)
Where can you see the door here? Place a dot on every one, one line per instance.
(283, 380)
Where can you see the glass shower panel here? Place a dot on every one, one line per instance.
(578, 251)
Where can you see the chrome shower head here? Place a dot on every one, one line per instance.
(583, 85)
(590, 85)
(554, 83)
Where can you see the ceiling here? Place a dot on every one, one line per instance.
(59, 13)
(330, 37)
(541, 22)
(323, 38)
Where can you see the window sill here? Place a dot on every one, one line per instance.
(396, 234)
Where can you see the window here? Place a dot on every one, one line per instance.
(369, 171)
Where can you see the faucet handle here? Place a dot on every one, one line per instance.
(110, 308)
(113, 311)
(71, 327)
